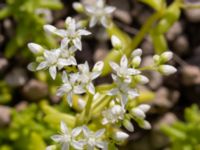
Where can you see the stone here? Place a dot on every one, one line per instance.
(193, 15)
(35, 90)
(5, 115)
(174, 31)
(16, 77)
(190, 75)
(181, 45)
(123, 16)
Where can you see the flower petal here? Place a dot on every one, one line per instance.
(77, 43)
(124, 61)
(93, 21)
(64, 128)
(42, 65)
(53, 72)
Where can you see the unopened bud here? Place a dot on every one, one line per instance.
(116, 43)
(167, 69)
(138, 113)
(81, 104)
(142, 79)
(78, 7)
(35, 48)
(128, 125)
(144, 107)
(49, 28)
(145, 125)
(120, 136)
(137, 52)
(136, 61)
(156, 59)
(166, 56)
(98, 66)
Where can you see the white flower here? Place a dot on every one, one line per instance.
(99, 13)
(167, 69)
(67, 138)
(70, 87)
(86, 77)
(113, 115)
(122, 91)
(120, 136)
(94, 139)
(123, 71)
(71, 35)
(128, 125)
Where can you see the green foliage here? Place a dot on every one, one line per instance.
(26, 131)
(185, 135)
(29, 23)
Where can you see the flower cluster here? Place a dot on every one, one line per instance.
(101, 114)
(98, 12)
(79, 138)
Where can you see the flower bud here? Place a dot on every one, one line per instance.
(136, 61)
(156, 59)
(78, 7)
(138, 113)
(142, 79)
(81, 104)
(116, 43)
(166, 56)
(49, 28)
(167, 69)
(145, 125)
(137, 52)
(35, 48)
(120, 136)
(144, 107)
(128, 125)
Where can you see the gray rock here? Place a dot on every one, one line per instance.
(123, 15)
(190, 75)
(100, 52)
(193, 15)
(5, 113)
(35, 90)
(181, 45)
(3, 64)
(16, 77)
(174, 31)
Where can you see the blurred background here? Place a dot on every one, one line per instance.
(175, 100)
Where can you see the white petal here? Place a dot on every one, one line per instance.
(98, 66)
(105, 21)
(53, 72)
(69, 99)
(137, 52)
(113, 92)
(76, 131)
(114, 66)
(42, 65)
(109, 9)
(91, 88)
(32, 66)
(57, 138)
(95, 75)
(49, 28)
(102, 145)
(64, 43)
(124, 61)
(93, 21)
(83, 32)
(77, 145)
(79, 89)
(64, 128)
(132, 93)
(89, 9)
(62, 33)
(84, 68)
(77, 43)
(72, 60)
(138, 113)
(64, 77)
(99, 133)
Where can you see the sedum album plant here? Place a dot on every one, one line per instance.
(100, 109)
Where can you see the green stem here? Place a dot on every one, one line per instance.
(147, 68)
(88, 106)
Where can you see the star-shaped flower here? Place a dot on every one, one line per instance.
(86, 76)
(113, 115)
(71, 35)
(99, 13)
(94, 139)
(122, 70)
(122, 90)
(70, 87)
(67, 138)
